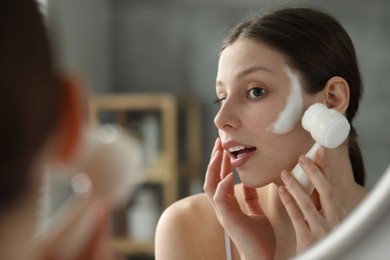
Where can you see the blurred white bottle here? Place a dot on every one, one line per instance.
(150, 130)
(142, 217)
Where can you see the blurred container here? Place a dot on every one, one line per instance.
(142, 217)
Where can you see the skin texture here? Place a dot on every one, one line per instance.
(268, 216)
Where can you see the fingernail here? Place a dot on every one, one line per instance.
(321, 154)
(216, 154)
(282, 190)
(227, 177)
(303, 159)
(215, 143)
(285, 175)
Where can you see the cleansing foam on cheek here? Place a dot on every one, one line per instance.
(293, 110)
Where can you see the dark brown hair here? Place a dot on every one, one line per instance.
(29, 95)
(320, 48)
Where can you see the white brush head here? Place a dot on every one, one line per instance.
(328, 127)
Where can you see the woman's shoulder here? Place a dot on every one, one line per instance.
(188, 213)
(187, 229)
(194, 210)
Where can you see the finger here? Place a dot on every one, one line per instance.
(303, 201)
(293, 211)
(217, 146)
(94, 234)
(97, 246)
(322, 185)
(315, 174)
(321, 160)
(330, 204)
(225, 187)
(252, 201)
(226, 167)
(225, 202)
(212, 177)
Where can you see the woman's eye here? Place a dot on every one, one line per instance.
(218, 101)
(256, 92)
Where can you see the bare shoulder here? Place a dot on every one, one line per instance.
(189, 229)
(188, 213)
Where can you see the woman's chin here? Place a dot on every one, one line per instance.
(252, 182)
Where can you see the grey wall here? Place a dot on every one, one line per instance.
(80, 30)
(172, 46)
(368, 25)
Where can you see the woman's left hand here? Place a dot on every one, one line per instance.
(312, 216)
(251, 231)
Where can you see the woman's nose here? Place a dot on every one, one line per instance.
(227, 116)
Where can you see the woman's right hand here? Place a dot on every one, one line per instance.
(251, 232)
(316, 215)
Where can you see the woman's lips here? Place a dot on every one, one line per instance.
(240, 154)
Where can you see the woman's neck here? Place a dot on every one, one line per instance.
(281, 222)
(341, 177)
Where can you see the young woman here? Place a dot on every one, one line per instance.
(271, 69)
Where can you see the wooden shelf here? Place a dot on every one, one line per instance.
(165, 169)
(127, 246)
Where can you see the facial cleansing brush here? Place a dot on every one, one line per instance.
(329, 128)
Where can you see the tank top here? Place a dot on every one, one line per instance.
(228, 247)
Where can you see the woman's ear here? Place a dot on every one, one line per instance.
(336, 94)
(71, 117)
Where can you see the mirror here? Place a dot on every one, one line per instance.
(184, 52)
(364, 233)
(180, 55)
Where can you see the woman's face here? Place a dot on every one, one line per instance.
(258, 91)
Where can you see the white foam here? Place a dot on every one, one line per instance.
(293, 110)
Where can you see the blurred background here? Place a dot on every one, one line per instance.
(171, 47)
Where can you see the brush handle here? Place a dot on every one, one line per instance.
(301, 176)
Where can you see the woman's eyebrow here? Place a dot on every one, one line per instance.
(255, 69)
(248, 71)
